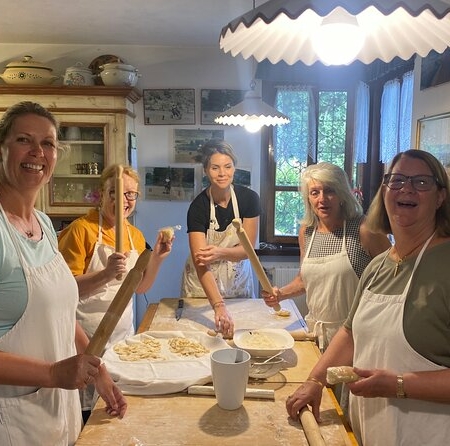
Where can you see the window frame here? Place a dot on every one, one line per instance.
(268, 189)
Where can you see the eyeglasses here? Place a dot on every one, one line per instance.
(420, 183)
(130, 195)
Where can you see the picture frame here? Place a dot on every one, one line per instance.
(214, 101)
(171, 183)
(187, 143)
(433, 135)
(168, 106)
(132, 151)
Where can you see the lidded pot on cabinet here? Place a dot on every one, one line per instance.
(78, 75)
(119, 75)
(28, 72)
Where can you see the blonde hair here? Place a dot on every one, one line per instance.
(334, 177)
(110, 172)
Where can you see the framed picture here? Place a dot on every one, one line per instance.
(169, 106)
(216, 101)
(242, 176)
(132, 151)
(171, 183)
(187, 143)
(433, 135)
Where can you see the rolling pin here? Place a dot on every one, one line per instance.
(311, 428)
(118, 305)
(119, 212)
(268, 394)
(256, 264)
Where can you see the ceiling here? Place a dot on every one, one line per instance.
(181, 23)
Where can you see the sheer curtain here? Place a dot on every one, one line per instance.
(361, 135)
(396, 116)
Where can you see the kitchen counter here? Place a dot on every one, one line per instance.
(182, 419)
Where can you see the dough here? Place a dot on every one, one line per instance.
(167, 233)
(283, 313)
(342, 374)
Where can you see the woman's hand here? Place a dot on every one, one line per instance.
(224, 321)
(116, 265)
(116, 404)
(309, 393)
(75, 372)
(272, 300)
(374, 383)
(208, 255)
(162, 249)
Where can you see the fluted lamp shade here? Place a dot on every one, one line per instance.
(338, 32)
(252, 113)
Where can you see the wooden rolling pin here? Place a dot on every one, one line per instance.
(118, 305)
(118, 206)
(256, 264)
(311, 428)
(268, 394)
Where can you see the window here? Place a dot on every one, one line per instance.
(318, 131)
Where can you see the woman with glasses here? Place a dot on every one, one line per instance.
(88, 246)
(397, 335)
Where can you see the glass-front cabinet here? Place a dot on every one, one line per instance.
(95, 124)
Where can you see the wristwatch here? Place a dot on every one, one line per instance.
(400, 388)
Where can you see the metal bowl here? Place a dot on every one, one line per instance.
(259, 369)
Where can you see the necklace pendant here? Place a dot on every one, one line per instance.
(396, 269)
(29, 234)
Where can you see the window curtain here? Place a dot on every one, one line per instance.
(361, 135)
(406, 105)
(390, 108)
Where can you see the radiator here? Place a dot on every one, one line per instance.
(281, 275)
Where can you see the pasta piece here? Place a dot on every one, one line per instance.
(342, 374)
(187, 347)
(167, 233)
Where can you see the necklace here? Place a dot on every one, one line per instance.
(402, 259)
(28, 232)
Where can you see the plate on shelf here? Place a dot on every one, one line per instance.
(98, 62)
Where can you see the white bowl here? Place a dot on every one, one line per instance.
(263, 342)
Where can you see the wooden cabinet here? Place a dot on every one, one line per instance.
(96, 122)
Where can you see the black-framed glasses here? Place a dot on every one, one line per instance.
(421, 183)
(130, 195)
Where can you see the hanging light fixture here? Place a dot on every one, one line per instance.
(303, 30)
(252, 113)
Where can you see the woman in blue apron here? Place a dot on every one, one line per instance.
(218, 267)
(397, 334)
(40, 370)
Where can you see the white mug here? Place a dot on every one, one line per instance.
(230, 368)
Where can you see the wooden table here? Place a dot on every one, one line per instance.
(182, 419)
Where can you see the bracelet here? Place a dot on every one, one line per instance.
(400, 389)
(315, 381)
(218, 304)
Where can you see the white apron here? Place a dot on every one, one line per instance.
(39, 416)
(91, 310)
(330, 284)
(234, 279)
(392, 421)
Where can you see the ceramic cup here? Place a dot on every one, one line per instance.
(230, 368)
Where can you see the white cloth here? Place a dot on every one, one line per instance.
(380, 344)
(234, 279)
(36, 416)
(330, 284)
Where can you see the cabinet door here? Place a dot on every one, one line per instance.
(86, 150)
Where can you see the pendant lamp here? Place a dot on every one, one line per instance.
(252, 113)
(338, 32)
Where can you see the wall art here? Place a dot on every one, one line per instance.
(216, 101)
(187, 143)
(433, 135)
(169, 106)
